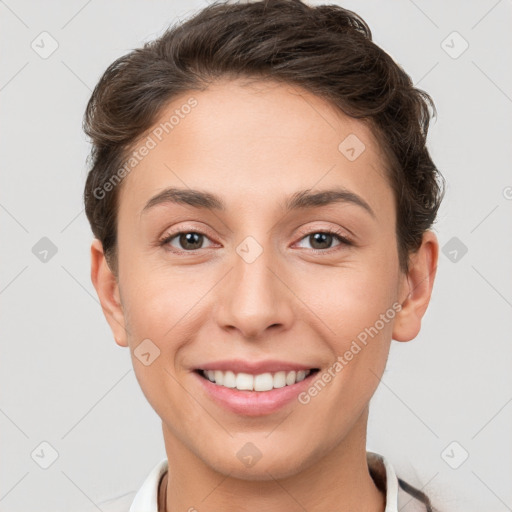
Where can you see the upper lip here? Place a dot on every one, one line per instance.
(254, 367)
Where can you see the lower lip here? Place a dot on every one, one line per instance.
(254, 403)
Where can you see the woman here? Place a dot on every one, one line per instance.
(261, 197)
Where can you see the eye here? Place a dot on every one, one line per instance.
(188, 240)
(193, 240)
(321, 240)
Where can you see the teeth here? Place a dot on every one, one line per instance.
(261, 382)
(290, 378)
(228, 379)
(243, 381)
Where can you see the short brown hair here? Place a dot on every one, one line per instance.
(326, 50)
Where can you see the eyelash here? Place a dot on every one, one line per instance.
(343, 239)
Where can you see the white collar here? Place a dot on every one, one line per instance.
(146, 499)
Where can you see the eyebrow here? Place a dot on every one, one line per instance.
(299, 200)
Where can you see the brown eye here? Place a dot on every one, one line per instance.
(322, 241)
(187, 240)
(191, 241)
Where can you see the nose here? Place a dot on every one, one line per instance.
(255, 297)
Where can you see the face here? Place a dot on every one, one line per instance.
(251, 275)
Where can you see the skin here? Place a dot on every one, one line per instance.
(254, 145)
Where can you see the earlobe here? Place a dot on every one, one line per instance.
(416, 289)
(107, 288)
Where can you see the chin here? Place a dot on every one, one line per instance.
(277, 466)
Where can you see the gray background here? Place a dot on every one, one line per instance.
(65, 382)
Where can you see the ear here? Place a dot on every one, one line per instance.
(107, 288)
(416, 288)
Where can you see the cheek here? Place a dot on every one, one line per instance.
(159, 305)
(357, 306)
(160, 315)
(349, 300)
(364, 325)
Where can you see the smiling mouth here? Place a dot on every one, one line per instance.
(260, 382)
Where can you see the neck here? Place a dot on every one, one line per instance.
(339, 481)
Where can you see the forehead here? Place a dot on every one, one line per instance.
(255, 142)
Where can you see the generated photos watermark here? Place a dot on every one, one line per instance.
(355, 348)
(151, 142)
